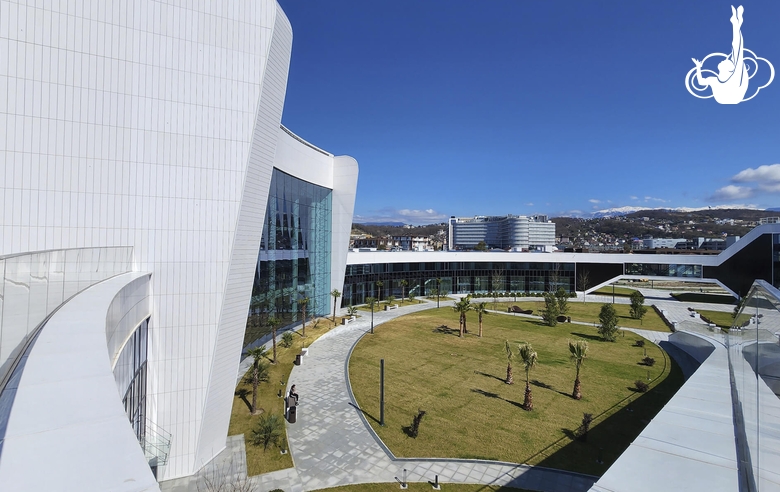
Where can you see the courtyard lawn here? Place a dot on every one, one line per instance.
(619, 291)
(588, 312)
(721, 319)
(242, 421)
(381, 306)
(421, 487)
(472, 413)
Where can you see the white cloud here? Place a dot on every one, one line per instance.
(634, 197)
(653, 199)
(593, 200)
(530, 204)
(732, 192)
(769, 187)
(761, 173)
(404, 215)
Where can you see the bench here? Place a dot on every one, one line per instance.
(388, 308)
(348, 320)
(516, 309)
(299, 357)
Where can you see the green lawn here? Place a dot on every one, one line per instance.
(242, 421)
(420, 487)
(589, 313)
(472, 413)
(619, 291)
(723, 320)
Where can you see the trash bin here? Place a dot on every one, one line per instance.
(298, 360)
(292, 414)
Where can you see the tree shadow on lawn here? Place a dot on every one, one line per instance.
(596, 338)
(242, 393)
(446, 330)
(540, 384)
(364, 412)
(490, 376)
(496, 396)
(608, 438)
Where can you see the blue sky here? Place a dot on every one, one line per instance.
(554, 107)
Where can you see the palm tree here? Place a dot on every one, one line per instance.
(579, 351)
(371, 301)
(302, 303)
(404, 283)
(379, 285)
(462, 307)
(336, 294)
(481, 310)
(274, 323)
(258, 372)
(438, 291)
(509, 355)
(528, 356)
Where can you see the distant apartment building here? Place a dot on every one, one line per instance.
(517, 232)
(769, 220)
(656, 243)
(393, 243)
(412, 243)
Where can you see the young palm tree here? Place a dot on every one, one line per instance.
(258, 372)
(335, 294)
(438, 291)
(579, 351)
(404, 284)
(509, 378)
(379, 285)
(462, 307)
(274, 323)
(302, 303)
(528, 357)
(371, 301)
(481, 310)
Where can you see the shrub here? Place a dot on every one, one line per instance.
(639, 343)
(268, 430)
(287, 339)
(587, 419)
(415, 428)
(641, 386)
(648, 361)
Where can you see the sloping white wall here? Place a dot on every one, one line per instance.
(132, 123)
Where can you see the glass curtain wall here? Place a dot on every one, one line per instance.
(130, 376)
(754, 360)
(294, 258)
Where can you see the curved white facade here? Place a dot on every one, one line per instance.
(156, 125)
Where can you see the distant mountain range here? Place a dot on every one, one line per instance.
(619, 211)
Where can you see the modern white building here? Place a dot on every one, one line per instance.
(143, 166)
(518, 232)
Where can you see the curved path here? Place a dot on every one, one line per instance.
(332, 444)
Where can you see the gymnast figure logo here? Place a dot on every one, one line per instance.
(730, 84)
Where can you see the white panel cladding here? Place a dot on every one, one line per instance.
(298, 159)
(130, 123)
(345, 177)
(238, 289)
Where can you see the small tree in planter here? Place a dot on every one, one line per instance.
(648, 361)
(257, 372)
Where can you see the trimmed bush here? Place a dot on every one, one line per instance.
(648, 361)
(641, 386)
(639, 343)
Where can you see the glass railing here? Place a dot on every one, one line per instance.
(754, 362)
(156, 444)
(33, 285)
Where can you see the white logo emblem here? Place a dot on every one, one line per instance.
(730, 83)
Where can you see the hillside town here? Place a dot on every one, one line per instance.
(705, 231)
